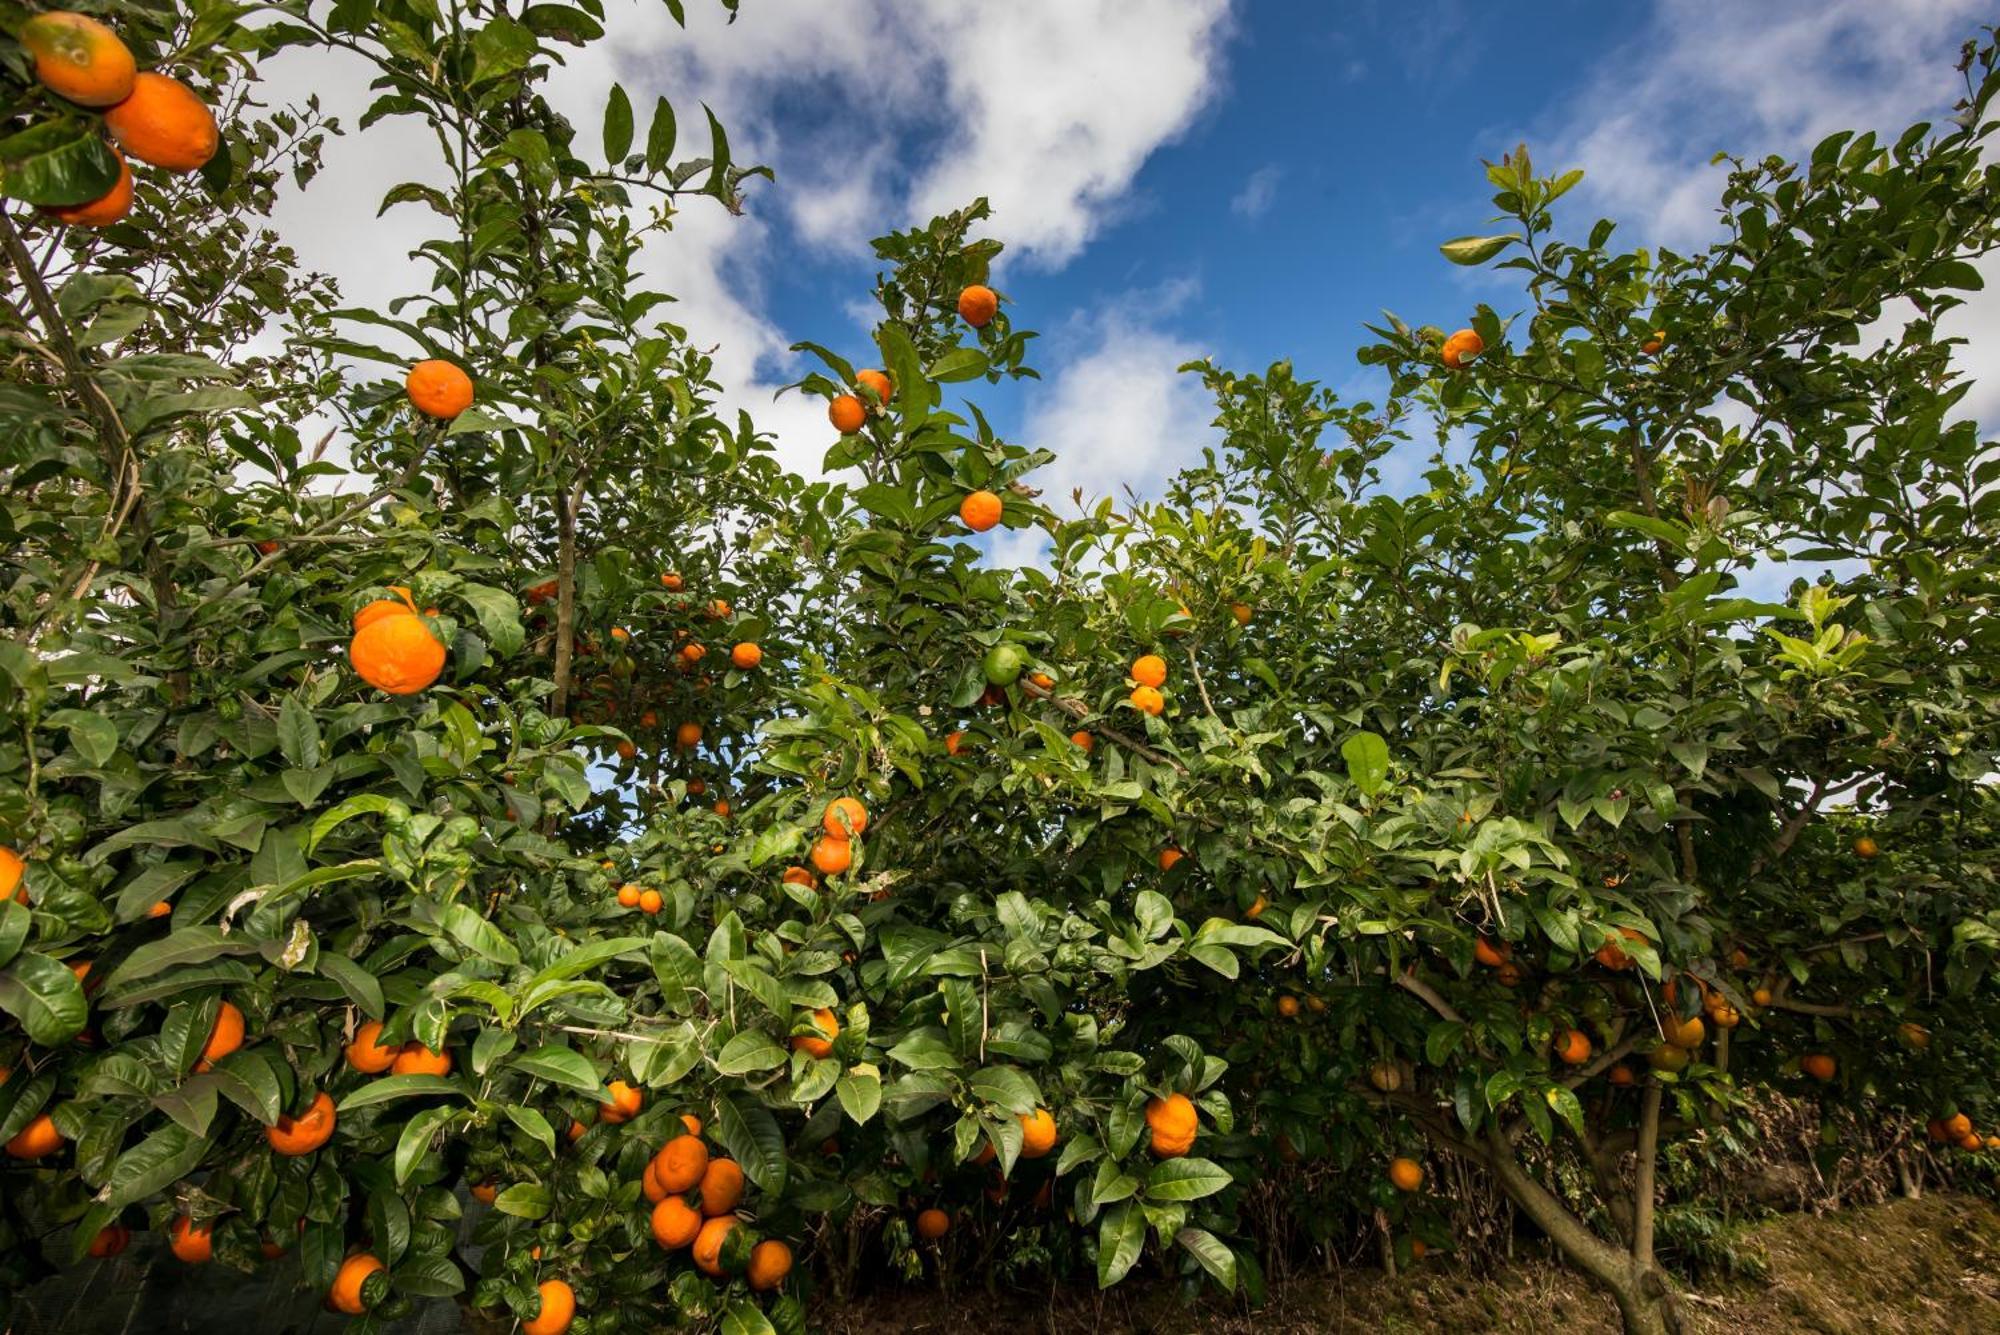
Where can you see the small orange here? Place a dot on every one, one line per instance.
(1760, 996)
(416, 1059)
(719, 610)
(708, 1245)
(980, 511)
(1149, 670)
(692, 652)
(671, 581)
(37, 1140)
(1651, 347)
(1492, 953)
(292, 1136)
(1406, 1174)
(1083, 740)
(1147, 700)
(1242, 613)
(224, 1038)
(345, 1295)
(162, 122)
(680, 1164)
(954, 742)
(1970, 1142)
(576, 1131)
(1574, 1047)
(160, 910)
(110, 207)
(1612, 953)
(1866, 848)
(628, 896)
(687, 736)
(828, 1024)
(557, 1311)
(770, 1262)
(832, 856)
(398, 655)
(675, 1223)
(933, 1224)
(1038, 1133)
(977, 305)
(191, 1242)
(623, 1105)
(847, 414)
(626, 750)
(1958, 1126)
(438, 388)
(11, 870)
(1818, 1065)
(651, 902)
(844, 817)
(1288, 1006)
(1168, 857)
(1461, 349)
(721, 1187)
(746, 656)
(1257, 907)
(364, 1054)
(1621, 1075)
(798, 876)
(79, 58)
(485, 1192)
(876, 381)
(110, 1240)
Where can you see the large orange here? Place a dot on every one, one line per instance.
(721, 1187)
(1574, 1046)
(416, 1059)
(367, 1056)
(11, 870)
(305, 1133)
(558, 1309)
(977, 305)
(398, 655)
(933, 1224)
(623, 1105)
(191, 1242)
(844, 817)
(827, 1023)
(1149, 670)
(345, 1295)
(438, 388)
(1173, 1124)
(1461, 349)
(675, 1223)
(1492, 953)
(162, 122)
(980, 511)
(876, 381)
(832, 855)
(1147, 700)
(1612, 953)
(37, 1140)
(1406, 1174)
(746, 656)
(770, 1262)
(79, 58)
(708, 1244)
(1038, 1133)
(224, 1038)
(680, 1163)
(847, 414)
(110, 207)
(400, 605)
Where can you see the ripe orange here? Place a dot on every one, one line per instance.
(292, 1136)
(845, 817)
(1958, 1126)
(110, 1240)
(628, 896)
(980, 511)
(558, 1309)
(1038, 1133)
(1651, 347)
(671, 581)
(680, 1164)
(367, 1056)
(770, 1262)
(485, 1192)
(438, 388)
(1612, 955)
(675, 1223)
(162, 122)
(1492, 953)
(1083, 739)
(1969, 1142)
(687, 736)
(721, 1187)
(651, 902)
(977, 305)
(110, 207)
(1406, 1174)
(1621, 1075)
(11, 870)
(1462, 348)
(224, 1038)
(79, 58)
(1174, 1125)
(827, 1023)
(1149, 670)
(400, 605)
(719, 609)
(847, 413)
(1147, 700)
(954, 742)
(832, 856)
(1761, 996)
(1688, 1034)
(398, 655)
(160, 910)
(746, 656)
(1288, 1006)
(416, 1059)
(692, 653)
(708, 1245)
(623, 1105)
(1257, 907)
(1913, 1036)
(37, 1140)
(692, 1123)
(876, 381)
(1168, 857)
(1574, 1047)
(345, 1295)
(191, 1242)
(1818, 1065)
(933, 1224)
(626, 750)
(1865, 848)
(1241, 611)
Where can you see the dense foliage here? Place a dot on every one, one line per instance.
(1287, 833)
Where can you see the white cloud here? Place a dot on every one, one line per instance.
(1259, 192)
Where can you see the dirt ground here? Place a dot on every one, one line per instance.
(1894, 1269)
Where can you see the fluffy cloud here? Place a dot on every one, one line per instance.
(1259, 192)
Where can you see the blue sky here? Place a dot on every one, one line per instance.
(1246, 179)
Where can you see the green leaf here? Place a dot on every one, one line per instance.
(1005, 1087)
(416, 1139)
(525, 1200)
(361, 986)
(860, 1094)
(154, 1164)
(246, 1079)
(660, 138)
(1213, 1256)
(1185, 1180)
(1121, 1235)
(1367, 757)
(532, 1123)
(560, 1065)
(479, 935)
(392, 1087)
(45, 997)
(617, 125)
(744, 1317)
(189, 945)
(718, 158)
(15, 920)
(62, 160)
(746, 1128)
(298, 734)
(750, 1051)
(1476, 249)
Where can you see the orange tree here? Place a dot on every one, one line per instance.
(685, 864)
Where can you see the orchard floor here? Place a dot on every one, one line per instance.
(1931, 1265)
